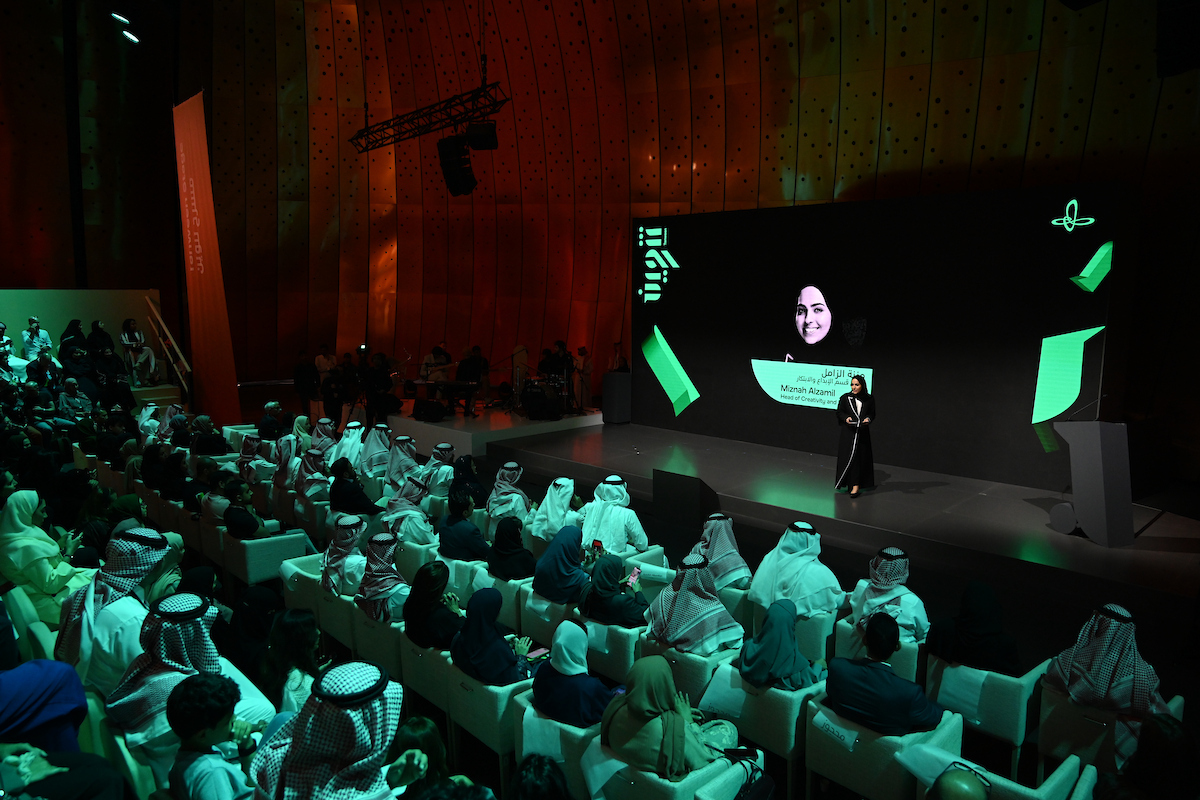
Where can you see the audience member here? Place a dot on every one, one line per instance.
(609, 518)
(312, 480)
(206, 440)
(466, 475)
(457, 535)
(1163, 768)
(868, 692)
(154, 459)
(141, 357)
(200, 713)
(507, 499)
(34, 561)
(885, 591)
(720, 548)
(274, 422)
(508, 559)
(773, 658)
(324, 438)
(959, 782)
(100, 630)
(558, 510)
(292, 661)
(110, 440)
(562, 689)
(36, 341)
(214, 503)
(793, 571)
(432, 616)
(302, 429)
(404, 517)
(976, 636)
(375, 452)
(382, 593)
(245, 639)
(420, 733)
(559, 576)
(177, 484)
(99, 339)
(337, 743)
(613, 599)
(346, 494)
(539, 777)
(438, 472)
(1104, 669)
(653, 728)
(175, 644)
(241, 519)
(688, 615)
(350, 445)
(402, 462)
(177, 429)
(251, 465)
(72, 403)
(480, 649)
(342, 566)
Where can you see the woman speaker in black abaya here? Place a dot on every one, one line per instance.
(856, 462)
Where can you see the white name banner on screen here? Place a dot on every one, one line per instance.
(799, 384)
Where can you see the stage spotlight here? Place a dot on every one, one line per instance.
(482, 135)
(362, 348)
(456, 165)
(119, 18)
(130, 37)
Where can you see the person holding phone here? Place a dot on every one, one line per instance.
(614, 598)
(480, 648)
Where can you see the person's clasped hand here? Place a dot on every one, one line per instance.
(521, 646)
(30, 761)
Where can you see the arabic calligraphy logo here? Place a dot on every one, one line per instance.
(1070, 217)
(658, 263)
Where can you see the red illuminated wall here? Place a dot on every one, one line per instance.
(623, 108)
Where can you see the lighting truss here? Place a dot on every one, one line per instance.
(472, 106)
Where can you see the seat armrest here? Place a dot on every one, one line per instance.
(726, 785)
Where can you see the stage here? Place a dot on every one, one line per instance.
(472, 435)
(940, 518)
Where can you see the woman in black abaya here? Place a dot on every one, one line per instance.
(856, 462)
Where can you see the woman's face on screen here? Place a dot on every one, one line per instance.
(813, 319)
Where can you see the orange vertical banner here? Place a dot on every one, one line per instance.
(214, 377)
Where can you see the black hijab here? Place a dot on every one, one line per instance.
(558, 576)
(772, 658)
(73, 336)
(606, 600)
(508, 558)
(98, 340)
(479, 649)
(464, 475)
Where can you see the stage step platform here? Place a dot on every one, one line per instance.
(164, 395)
(472, 435)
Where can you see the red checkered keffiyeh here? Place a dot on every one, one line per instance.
(442, 454)
(131, 556)
(251, 443)
(1105, 670)
(285, 452)
(336, 746)
(345, 540)
(689, 616)
(375, 451)
(175, 644)
(380, 579)
(402, 460)
(324, 436)
(311, 477)
(717, 545)
(405, 503)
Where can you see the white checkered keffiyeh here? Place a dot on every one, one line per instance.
(335, 747)
(311, 476)
(345, 540)
(175, 644)
(402, 461)
(324, 436)
(506, 484)
(443, 454)
(375, 451)
(285, 452)
(889, 573)
(689, 616)
(718, 545)
(131, 556)
(404, 504)
(251, 443)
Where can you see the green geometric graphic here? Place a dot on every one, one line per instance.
(1060, 373)
(1096, 269)
(670, 373)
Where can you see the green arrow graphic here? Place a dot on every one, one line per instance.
(1060, 372)
(670, 373)
(1096, 269)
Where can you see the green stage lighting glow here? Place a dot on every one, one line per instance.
(1096, 269)
(1071, 219)
(1060, 373)
(670, 373)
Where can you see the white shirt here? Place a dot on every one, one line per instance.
(909, 610)
(414, 529)
(621, 528)
(296, 690)
(115, 644)
(207, 776)
(439, 479)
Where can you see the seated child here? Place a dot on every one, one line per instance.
(200, 712)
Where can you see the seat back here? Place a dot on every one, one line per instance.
(540, 618)
(771, 718)
(990, 702)
(630, 783)
(479, 518)
(927, 763)
(22, 613)
(41, 641)
(379, 642)
(849, 644)
(612, 649)
(691, 672)
(536, 733)
(738, 604)
(656, 573)
(212, 545)
(485, 712)
(870, 769)
(302, 577)
(335, 617)
(257, 560)
(513, 593)
(411, 557)
(426, 671)
(1066, 727)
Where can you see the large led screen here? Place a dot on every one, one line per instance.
(977, 320)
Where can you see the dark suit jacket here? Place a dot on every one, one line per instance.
(462, 540)
(349, 497)
(871, 694)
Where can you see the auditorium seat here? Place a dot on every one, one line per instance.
(512, 592)
(737, 603)
(566, 744)
(426, 671)
(540, 618)
(99, 737)
(720, 780)
(870, 768)
(379, 642)
(302, 577)
(335, 617)
(22, 613)
(1067, 727)
(992, 703)
(1086, 786)
(486, 712)
(771, 718)
(212, 545)
(692, 672)
(612, 649)
(411, 557)
(926, 762)
(848, 643)
(812, 634)
(254, 561)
